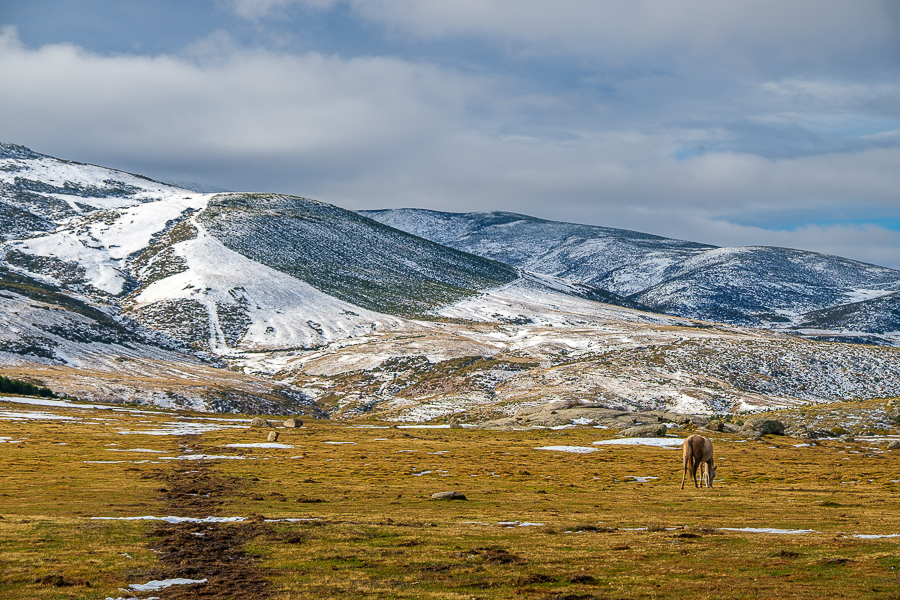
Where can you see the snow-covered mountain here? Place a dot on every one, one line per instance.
(39, 192)
(879, 315)
(753, 286)
(115, 287)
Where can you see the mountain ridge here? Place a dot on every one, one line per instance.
(757, 286)
(266, 302)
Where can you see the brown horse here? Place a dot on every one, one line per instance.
(697, 451)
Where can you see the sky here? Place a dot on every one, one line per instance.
(763, 122)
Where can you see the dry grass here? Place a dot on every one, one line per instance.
(377, 534)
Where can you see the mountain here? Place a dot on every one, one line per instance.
(349, 256)
(751, 286)
(39, 192)
(876, 316)
(118, 288)
(84, 350)
(620, 261)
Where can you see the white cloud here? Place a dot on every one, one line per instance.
(375, 132)
(219, 102)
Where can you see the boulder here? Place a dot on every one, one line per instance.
(895, 445)
(764, 426)
(448, 496)
(273, 436)
(259, 422)
(678, 418)
(295, 422)
(658, 430)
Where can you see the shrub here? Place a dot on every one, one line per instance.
(17, 386)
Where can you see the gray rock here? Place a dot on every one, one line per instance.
(295, 422)
(658, 430)
(678, 418)
(894, 445)
(448, 496)
(259, 422)
(764, 426)
(273, 436)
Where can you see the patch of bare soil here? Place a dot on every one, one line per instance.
(211, 551)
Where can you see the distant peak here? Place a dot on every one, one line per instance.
(8, 150)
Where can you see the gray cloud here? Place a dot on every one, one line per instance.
(823, 32)
(693, 123)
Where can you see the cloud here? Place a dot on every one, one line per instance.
(218, 103)
(382, 131)
(800, 31)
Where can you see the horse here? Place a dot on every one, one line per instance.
(697, 451)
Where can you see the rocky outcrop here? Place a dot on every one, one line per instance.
(556, 414)
(763, 426)
(658, 430)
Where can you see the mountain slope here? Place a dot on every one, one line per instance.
(38, 192)
(139, 291)
(75, 348)
(763, 285)
(755, 286)
(349, 256)
(224, 272)
(876, 316)
(586, 254)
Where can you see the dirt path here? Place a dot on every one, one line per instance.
(212, 551)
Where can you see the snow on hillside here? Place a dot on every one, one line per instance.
(877, 317)
(278, 311)
(755, 286)
(115, 286)
(38, 192)
(47, 333)
(349, 256)
(759, 285)
(546, 301)
(581, 253)
(101, 247)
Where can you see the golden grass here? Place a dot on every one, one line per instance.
(377, 534)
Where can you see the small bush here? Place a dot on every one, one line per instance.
(23, 388)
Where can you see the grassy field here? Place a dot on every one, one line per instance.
(536, 523)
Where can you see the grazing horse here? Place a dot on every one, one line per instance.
(697, 451)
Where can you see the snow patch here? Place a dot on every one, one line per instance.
(573, 449)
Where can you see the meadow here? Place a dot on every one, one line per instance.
(343, 510)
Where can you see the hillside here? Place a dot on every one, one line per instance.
(620, 261)
(752, 286)
(39, 192)
(878, 316)
(243, 301)
(349, 256)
